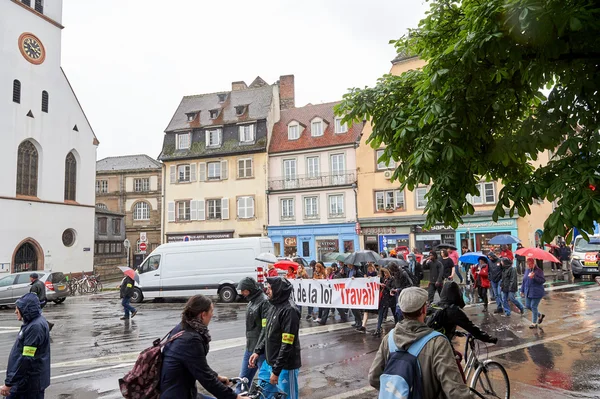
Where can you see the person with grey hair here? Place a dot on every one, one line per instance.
(439, 371)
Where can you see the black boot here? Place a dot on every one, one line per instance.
(376, 333)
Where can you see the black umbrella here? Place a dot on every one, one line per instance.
(362, 256)
(445, 246)
(385, 262)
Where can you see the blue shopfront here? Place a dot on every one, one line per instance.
(311, 242)
(476, 234)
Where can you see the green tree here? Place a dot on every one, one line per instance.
(505, 80)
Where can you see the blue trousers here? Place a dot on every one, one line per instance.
(248, 372)
(497, 293)
(532, 304)
(127, 306)
(26, 395)
(288, 382)
(457, 272)
(510, 296)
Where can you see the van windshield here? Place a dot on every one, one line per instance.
(582, 245)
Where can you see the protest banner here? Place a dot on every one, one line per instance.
(347, 293)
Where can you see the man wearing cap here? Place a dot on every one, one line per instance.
(38, 288)
(28, 370)
(439, 372)
(257, 313)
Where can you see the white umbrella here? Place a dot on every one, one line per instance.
(266, 257)
(131, 273)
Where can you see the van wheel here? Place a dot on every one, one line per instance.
(227, 294)
(137, 296)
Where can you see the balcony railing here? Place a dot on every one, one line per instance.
(342, 178)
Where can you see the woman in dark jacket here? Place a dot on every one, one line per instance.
(184, 359)
(386, 300)
(533, 291)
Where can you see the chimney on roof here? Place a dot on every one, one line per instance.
(286, 92)
(239, 85)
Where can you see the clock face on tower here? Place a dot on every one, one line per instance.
(32, 48)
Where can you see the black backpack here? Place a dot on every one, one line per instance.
(412, 278)
(435, 318)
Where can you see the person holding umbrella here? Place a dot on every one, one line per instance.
(126, 292)
(533, 291)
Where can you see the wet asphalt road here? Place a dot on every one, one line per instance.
(92, 348)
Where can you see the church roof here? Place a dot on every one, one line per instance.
(127, 162)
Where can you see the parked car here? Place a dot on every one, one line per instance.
(15, 285)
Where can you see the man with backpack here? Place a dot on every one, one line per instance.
(415, 359)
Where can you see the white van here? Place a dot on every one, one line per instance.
(211, 267)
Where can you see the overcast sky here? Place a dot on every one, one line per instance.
(130, 62)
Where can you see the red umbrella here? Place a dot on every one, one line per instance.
(551, 246)
(286, 264)
(537, 253)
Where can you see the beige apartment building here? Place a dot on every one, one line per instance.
(215, 161)
(389, 217)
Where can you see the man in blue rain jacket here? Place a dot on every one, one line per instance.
(28, 371)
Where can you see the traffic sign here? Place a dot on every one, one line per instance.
(143, 236)
(143, 246)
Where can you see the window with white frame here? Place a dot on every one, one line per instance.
(311, 207)
(245, 207)
(141, 211)
(213, 138)
(287, 208)
(214, 170)
(420, 193)
(389, 200)
(487, 194)
(183, 210)
(214, 209)
(316, 128)
(339, 126)
(246, 133)
(336, 205)
(183, 173)
(101, 186)
(293, 131)
(381, 165)
(141, 185)
(183, 141)
(312, 167)
(245, 168)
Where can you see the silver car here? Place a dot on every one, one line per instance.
(13, 286)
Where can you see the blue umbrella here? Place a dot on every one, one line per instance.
(504, 239)
(471, 257)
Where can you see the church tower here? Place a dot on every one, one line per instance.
(47, 147)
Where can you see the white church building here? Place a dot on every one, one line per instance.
(47, 147)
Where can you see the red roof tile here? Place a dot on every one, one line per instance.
(304, 116)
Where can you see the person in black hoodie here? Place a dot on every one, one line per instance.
(126, 292)
(436, 276)
(280, 341)
(448, 314)
(184, 358)
(495, 276)
(509, 287)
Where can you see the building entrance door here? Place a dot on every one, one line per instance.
(26, 258)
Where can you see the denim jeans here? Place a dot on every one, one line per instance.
(26, 395)
(127, 306)
(510, 296)
(383, 311)
(457, 272)
(532, 304)
(248, 372)
(497, 293)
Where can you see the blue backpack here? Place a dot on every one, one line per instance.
(401, 378)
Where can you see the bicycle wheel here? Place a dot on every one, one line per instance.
(98, 286)
(491, 381)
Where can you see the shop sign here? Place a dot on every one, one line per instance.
(290, 241)
(371, 239)
(428, 237)
(488, 224)
(378, 230)
(436, 228)
(328, 245)
(198, 237)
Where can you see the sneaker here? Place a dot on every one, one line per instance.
(134, 313)
(499, 310)
(309, 318)
(317, 320)
(361, 329)
(124, 318)
(506, 314)
(541, 318)
(321, 322)
(533, 325)
(522, 312)
(376, 333)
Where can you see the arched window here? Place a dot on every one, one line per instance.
(16, 91)
(27, 169)
(45, 101)
(70, 177)
(141, 211)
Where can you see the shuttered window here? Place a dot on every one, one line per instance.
(45, 101)
(16, 91)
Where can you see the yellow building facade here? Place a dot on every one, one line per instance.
(391, 218)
